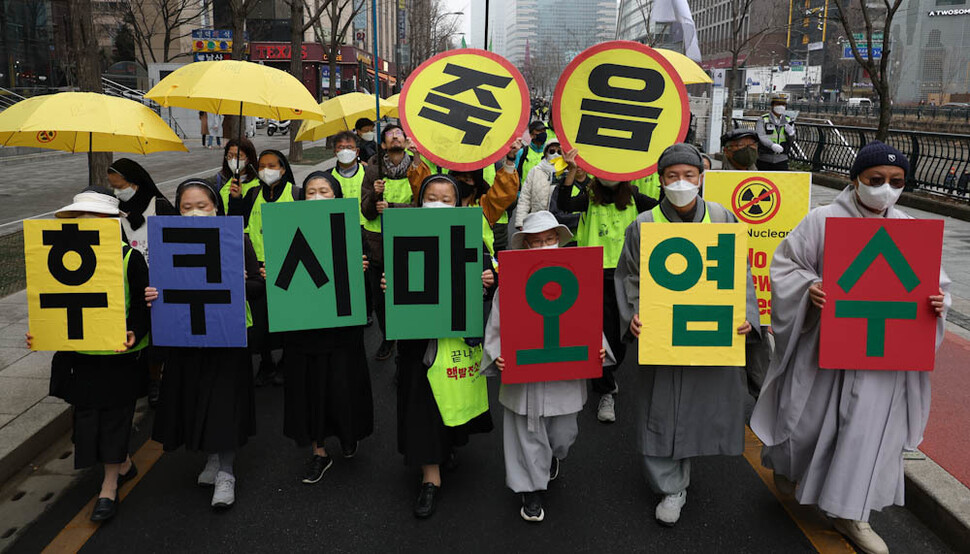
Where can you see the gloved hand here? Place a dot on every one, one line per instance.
(777, 148)
(790, 129)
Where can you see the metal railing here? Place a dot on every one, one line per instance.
(8, 98)
(939, 162)
(956, 114)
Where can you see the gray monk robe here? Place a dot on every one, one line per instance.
(839, 434)
(540, 418)
(682, 411)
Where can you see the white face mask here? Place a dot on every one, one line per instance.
(878, 198)
(681, 193)
(346, 156)
(236, 165)
(199, 213)
(368, 137)
(318, 198)
(548, 247)
(436, 204)
(609, 184)
(778, 109)
(551, 157)
(125, 194)
(270, 176)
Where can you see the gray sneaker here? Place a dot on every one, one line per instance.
(208, 476)
(224, 494)
(606, 412)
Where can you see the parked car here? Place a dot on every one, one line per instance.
(860, 102)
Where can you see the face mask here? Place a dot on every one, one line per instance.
(878, 198)
(681, 193)
(197, 212)
(465, 190)
(125, 194)
(540, 138)
(745, 157)
(552, 157)
(236, 165)
(318, 198)
(609, 184)
(779, 109)
(346, 156)
(548, 247)
(367, 137)
(437, 204)
(269, 176)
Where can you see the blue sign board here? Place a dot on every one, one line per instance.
(863, 51)
(198, 268)
(211, 56)
(206, 34)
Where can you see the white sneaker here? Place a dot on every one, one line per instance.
(208, 476)
(224, 494)
(606, 411)
(862, 535)
(668, 511)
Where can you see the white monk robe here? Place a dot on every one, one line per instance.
(682, 411)
(539, 418)
(839, 434)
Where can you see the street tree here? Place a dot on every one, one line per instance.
(240, 10)
(742, 39)
(340, 15)
(298, 26)
(432, 29)
(86, 55)
(869, 19)
(161, 23)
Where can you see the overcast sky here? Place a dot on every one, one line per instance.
(465, 6)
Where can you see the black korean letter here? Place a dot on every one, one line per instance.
(458, 113)
(404, 247)
(210, 258)
(341, 272)
(74, 303)
(460, 256)
(71, 239)
(298, 253)
(197, 299)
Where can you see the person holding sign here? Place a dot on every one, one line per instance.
(390, 182)
(441, 398)
(102, 386)
(276, 184)
(238, 169)
(327, 392)
(839, 434)
(539, 183)
(607, 208)
(207, 397)
(684, 411)
(539, 418)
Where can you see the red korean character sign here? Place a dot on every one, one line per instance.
(878, 277)
(551, 305)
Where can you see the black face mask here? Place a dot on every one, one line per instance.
(465, 190)
(540, 138)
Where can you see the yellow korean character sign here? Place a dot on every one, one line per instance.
(463, 108)
(692, 294)
(620, 103)
(75, 287)
(771, 203)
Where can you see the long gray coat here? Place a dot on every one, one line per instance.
(683, 411)
(839, 433)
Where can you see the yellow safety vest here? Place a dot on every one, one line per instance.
(397, 191)
(224, 191)
(649, 185)
(459, 389)
(659, 217)
(775, 132)
(145, 340)
(532, 159)
(604, 225)
(351, 186)
(255, 227)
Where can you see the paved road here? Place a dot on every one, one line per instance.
(38, 187)
(600, 502)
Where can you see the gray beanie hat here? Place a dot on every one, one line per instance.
(680, 153)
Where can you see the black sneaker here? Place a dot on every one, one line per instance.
(385, 350)
(532, 507)
(554, 469)
(316, 466)
(349, 449)
(427, 498)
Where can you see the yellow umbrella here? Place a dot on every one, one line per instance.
(340, 114)
(395, 100)
(86, 122)
(235, 87)
(690, 73)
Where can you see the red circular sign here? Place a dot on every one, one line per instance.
(44, 137)
(756, 200)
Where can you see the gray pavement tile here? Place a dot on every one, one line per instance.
(36, 365)
(18, 394)
(10, 354)
(5, 419)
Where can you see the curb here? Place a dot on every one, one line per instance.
(939, 500)
(31, 433)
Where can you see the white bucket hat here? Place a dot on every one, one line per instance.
(93, 201)
(536, 223)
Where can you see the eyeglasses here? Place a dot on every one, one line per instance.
(538, 242)
(555, 151)
(394, 133)
(879, 180)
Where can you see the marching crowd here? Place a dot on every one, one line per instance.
(834, 438)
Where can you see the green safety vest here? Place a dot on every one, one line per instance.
(488, 236)
(659, 217)
(351, 186)
(778, 133)
(144, 341)
(431, 165)
(459, 389)
(224, 191)
(397, 191)
(255, 227)
(532, 159)
(604, 225)
(649, 185)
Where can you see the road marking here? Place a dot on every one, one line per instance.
(163, 183)
(77, 532)
(809, 519)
